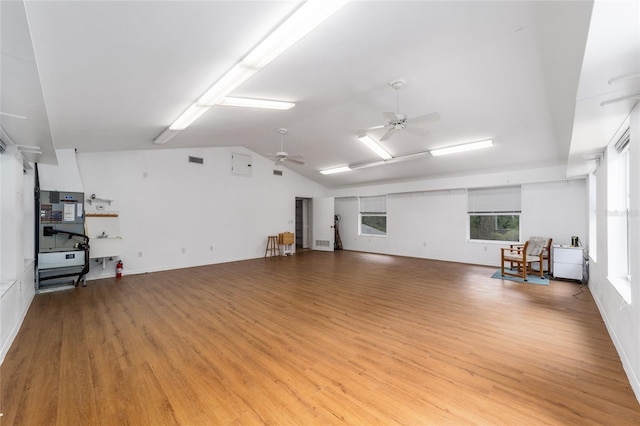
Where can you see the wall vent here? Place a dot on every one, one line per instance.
(277, 172)
(322, 243)
(196, 160)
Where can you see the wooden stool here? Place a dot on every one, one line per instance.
(272, 246)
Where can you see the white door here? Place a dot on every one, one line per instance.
(322, 231)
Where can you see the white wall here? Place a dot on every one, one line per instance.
(16, 249)
(166, 204)
(433, 224)
(622, 319)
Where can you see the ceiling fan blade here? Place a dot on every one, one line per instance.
(427, 118)
(417, 131)
(298, 159)
(360, 131)
(392, 116)
(387, 135)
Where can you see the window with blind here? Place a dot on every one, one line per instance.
(494, 214)
(373, 215)
(618, 213)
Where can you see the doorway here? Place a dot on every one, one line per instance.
(303, 224)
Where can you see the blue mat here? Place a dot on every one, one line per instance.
(531, 279)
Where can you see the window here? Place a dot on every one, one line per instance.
(494, 214)
(593, 217)
(373, 215)
(619, 272)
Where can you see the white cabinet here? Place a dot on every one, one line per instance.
(568, 262)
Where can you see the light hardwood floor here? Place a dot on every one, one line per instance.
(316, 338)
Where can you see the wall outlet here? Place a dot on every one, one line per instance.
(184, 250)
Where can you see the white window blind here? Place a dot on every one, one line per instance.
(495, 200)
(377, 204)
(623, 142)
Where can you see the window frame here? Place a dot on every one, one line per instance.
(618, 214)
(470, 215)
(365, 214)
(494, 202)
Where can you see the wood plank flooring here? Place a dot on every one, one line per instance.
(316, 338)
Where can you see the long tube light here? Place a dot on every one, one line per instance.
(335, 170)
(462, 148)
(373, 146)
(436, 152)
(257, 103)
(306, 18)
(189, 116)
(227, 84)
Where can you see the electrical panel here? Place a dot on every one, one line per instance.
(62, 245)
(60, 211)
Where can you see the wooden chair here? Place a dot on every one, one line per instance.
(523, 257)
(546, 254)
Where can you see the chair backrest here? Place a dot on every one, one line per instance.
(536, 245)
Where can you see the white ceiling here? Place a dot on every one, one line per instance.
(103, 76)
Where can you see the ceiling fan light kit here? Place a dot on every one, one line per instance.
(398, 121)
(282, 156)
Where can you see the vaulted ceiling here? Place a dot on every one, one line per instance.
(103, 76)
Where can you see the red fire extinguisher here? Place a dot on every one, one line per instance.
(119, 269)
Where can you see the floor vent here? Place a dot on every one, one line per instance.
(277, 172)
(196, 160)
(322, 243)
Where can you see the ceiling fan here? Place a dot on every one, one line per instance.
(282, 156)
(397, 121)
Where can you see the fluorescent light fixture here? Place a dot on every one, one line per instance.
(189, 116)
(165, 136)
(257, 103)
(462, 148)
(227, 84)
(365, 164)
(373, 146)
(408, 157)
(29, 149)
(335, 170)
(306, 18)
